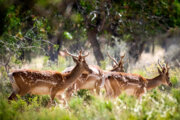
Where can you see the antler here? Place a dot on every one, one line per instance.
(112, 58)
(121, 59)
(80, 54)
(68, 53)
(160, 64)
(85, 55)
(167, 67)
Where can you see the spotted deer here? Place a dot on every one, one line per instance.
(118, 66)
(94, 79)
(47, 82)
(134, 84)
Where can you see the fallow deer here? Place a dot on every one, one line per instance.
(94, 79)
(47, 82)
(133, 84)
(118, 67)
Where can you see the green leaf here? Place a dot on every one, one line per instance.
(68, 35)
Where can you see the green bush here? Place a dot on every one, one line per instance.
(176, 94)
(157, 104)
(174, 80)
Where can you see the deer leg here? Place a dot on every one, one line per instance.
(97, 87)
(23, 92)
(68, 95)
(97, 90)
(12, 96)
(109, 90)
(70, 91)
(59, 97)
(112, 87)
(53, 94)
(63, 100)
(139, 92)
(19, 92)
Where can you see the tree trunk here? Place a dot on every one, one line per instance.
(59, 43)
(95, 45)
(153, 47)
(53, 53)
(135, 50)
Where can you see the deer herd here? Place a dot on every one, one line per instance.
(84, 76)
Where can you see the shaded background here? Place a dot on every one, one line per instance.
(34, 33)
(139, 29)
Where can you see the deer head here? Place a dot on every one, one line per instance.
(164, 73)
(80, 60)
(118, 67)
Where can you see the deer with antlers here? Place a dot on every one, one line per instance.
(94, 79)
(47, 82)
(118, 67)
(133, 84)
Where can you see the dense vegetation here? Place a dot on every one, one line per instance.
(160, 103)
(35, 31)
(49, 26)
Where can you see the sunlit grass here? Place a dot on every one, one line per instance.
(157, 104)
(153, 105)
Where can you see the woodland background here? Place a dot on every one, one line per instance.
(33, 34)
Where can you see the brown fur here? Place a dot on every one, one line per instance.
(46, 82)
(137, 84)
(93, 80)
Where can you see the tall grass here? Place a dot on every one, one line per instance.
(156, 105)
(161, 103)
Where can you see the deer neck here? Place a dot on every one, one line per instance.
(74, 74)
(117, 69)
(114, 69)
(154, 82)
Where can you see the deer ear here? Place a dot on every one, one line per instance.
(159, 71)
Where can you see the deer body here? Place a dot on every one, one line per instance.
(35, 82)
(93, 80)
(116, 82)
(85, 81)
(46, 82)
(134, 84)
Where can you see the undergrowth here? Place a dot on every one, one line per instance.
(156, 105)
(161, 103)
